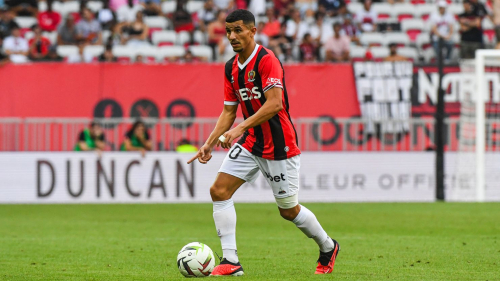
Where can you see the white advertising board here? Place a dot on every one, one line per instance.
(119, 177)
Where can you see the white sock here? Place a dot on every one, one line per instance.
(225, 223)
(306, 221)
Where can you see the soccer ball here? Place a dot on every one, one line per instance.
(195, 260)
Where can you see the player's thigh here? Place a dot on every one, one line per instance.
(239, 166)
(283, 177)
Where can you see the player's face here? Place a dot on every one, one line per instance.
(240, 35)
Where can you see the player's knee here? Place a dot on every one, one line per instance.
(219, 193)
(290, 214)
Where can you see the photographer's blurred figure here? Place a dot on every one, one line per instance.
(185, 146)
(137, 139)
(91, 138)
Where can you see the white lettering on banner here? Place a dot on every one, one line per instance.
(457, 85)
(384, 94)
(125, 177)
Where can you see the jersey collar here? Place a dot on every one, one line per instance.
(241, 66)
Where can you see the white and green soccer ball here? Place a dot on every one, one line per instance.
(195, 260)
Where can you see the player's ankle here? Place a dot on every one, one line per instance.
(230, 255)
(327, 246)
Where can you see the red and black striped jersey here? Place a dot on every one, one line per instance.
(275, 139)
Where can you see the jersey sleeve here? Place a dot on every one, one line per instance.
(271, 73)
(229, 95)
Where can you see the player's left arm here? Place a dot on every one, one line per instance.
(272, 106)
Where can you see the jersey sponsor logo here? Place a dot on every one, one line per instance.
(279, 178)
(281, 191)
(247, 94)
(273, 80)
(251, 76)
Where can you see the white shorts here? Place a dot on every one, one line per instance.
(282, 175)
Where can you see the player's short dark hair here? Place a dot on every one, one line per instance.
(243, 15)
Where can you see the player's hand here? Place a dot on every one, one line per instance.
(203, 155)
(230, 136)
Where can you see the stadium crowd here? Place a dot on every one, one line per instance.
(145, 31)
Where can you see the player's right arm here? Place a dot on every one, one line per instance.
(224, 123)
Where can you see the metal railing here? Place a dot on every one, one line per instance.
(314, 134)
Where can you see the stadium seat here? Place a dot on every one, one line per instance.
(105, 35)
(379, 53)
(124, 53)
(488, 29)
(169, 52)
(371, 39)
(94, 50)
(425, 10)
(66, 51)
(95, 6)
(423, 41)
(357, 53)
(202, 51)
(261, 19)
(69, 7)
(412, 27)
(403, 11)
(52, 36)
(429, 55)
(150, 53)
(155, 23)
(409, 52)
(383, 10)
(164, 38)
(400, 38)
(199, 37)
(42, 6)
(194, 6)
(168, 7)
(456, 9)
(183, 37)
(28, 35)
(26, 22)
(354, 7)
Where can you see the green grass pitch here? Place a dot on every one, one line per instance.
(436, 241)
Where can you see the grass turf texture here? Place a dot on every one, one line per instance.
(440, 241)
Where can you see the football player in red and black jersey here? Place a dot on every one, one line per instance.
(254, 79)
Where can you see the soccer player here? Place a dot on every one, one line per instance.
(254, 79)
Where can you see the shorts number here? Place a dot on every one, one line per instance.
(232, 154)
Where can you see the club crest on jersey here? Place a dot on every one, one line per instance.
(251, 76)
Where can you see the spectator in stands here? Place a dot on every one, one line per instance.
(207, 15)
(139, 59)
(67, 34)
(217, 33)
(136, 32)
(295, 26)
(52, 55)
(442, 27)
(106, 16)
(107, 56)
(151, 7)
(91, 138)
(81, 56)
(182, 19)
(273, 26)
(38, 45)
(282, 45)
(331, 6)
(89, 29)
(49, 20)
(393, 55)
(472, 34)
(185, 146)
(16, 46)
(308, 49)
(480, 9)
(137, 139)
(337, 47)
(4, 59)
(279, 6)
(127, 13)
(23, 8)
(7, 22)
(261, 38)
(350, 29)
(367, 17)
